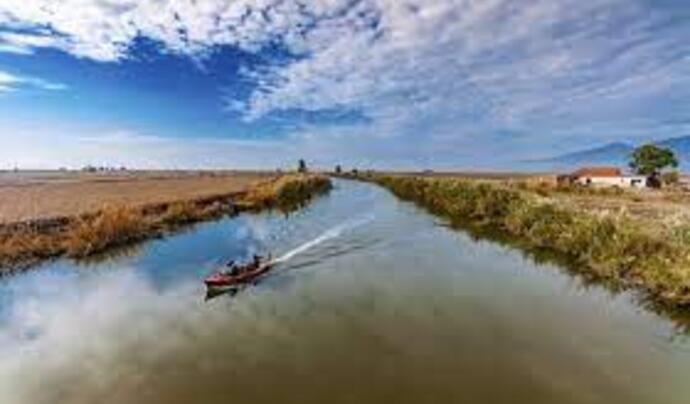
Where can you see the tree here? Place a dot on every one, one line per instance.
(670, 178)
(649, 160)
(302, 166)
(338, 169)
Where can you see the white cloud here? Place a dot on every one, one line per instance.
(489, 64)
(24, 43)
(409, 66)
(8, 79)
(18, 50)
(102, 30)
(10, 82)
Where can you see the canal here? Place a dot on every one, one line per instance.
(373, 301)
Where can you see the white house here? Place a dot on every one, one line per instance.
(607, 177)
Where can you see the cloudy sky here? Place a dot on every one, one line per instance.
(384, 83)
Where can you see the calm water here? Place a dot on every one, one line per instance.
(375, 302)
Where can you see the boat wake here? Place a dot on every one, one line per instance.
(327, 235)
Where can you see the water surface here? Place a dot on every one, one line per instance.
(375, 302)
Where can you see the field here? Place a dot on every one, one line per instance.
(50, 215)
(39, 195)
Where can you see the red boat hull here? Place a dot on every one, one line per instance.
(221, 280)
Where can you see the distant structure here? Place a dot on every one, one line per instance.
(604, 177)
(301, 166)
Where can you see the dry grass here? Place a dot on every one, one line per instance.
(614, 248)
(114, 225)
(30, 197)
(287, 192)
(28, 248)
(181, 212)
(117, 225)
(659, 211)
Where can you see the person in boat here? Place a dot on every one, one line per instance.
(233, 268)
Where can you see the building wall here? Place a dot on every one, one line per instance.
(623, 182)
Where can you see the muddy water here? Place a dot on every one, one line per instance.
(374, 302)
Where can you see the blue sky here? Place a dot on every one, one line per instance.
(378, 83)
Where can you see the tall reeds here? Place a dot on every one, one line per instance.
(114, 225)
(119, 225)
(607, 247)
(287, 192)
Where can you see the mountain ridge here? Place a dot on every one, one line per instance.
(617, 153)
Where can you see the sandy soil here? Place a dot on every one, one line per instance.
(33, 195)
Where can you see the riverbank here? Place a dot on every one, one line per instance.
(611, 248)
(28, 242)
(33, 195)
(371, 275)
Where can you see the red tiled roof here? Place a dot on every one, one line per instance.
(598, 172)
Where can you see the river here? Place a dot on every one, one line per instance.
(374, 301)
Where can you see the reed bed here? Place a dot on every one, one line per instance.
(114, 225)
(119, 225)
(287, 192)
(608, 247)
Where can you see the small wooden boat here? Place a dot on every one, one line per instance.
(238, 275)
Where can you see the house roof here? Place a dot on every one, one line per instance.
(598, 172)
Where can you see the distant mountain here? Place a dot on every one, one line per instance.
(617, 154)
(680, 146)
(612, 153)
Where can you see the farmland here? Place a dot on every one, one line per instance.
(46, 216)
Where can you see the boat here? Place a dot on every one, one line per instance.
(238, 275)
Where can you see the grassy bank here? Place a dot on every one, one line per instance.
(285, 193)
(27, 243)
(608, 247)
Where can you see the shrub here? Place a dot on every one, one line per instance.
(23, 248)
(670, 177)
(181, 212)
(114, 225)
(286, 192)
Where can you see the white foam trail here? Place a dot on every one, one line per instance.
(327, 235)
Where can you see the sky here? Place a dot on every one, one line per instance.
(447, 84)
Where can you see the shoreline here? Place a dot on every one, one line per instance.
(613, 250)
(28, 243)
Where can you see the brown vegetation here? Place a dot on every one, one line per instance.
(112, 226)
(24, 244)
(614, 248)
(287, 192)
(31, 196)
(658, 210)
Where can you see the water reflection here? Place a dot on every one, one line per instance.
(395, 309)
(212, 293)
